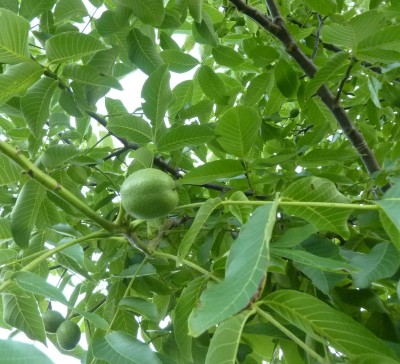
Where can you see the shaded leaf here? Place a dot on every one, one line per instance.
(202, 215)
(184, 306)
(24, 213)
(141, 307)
(15, 352)
(119, 347)
(157, 95)
(318, 319)
(71, 46)
(16, 79)
(213, 171)
(35, 104)
(143, 52)
(314, 189)
(286, 78)
(245, 269)
(148, 11)
(132, 128)
(225, 341)
(212, 85)
(185, 136)
(22, 312)
(13, 37)
(382, 261)
(10, 171)
(178, 61)
(237, 130)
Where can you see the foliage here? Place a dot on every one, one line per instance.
(279, 122)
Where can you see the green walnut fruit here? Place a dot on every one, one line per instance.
(52, 320)
(149, 193)
(68, 335)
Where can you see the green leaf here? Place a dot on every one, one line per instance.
(318, 114)
(314, 189)
(35, 104)
(382, 261)
(256, 89)
(140, 306)
(245, 270)
(226, 56)
(89, 76)
(10, 172)
(13, 37)
(6, 255)
(37, 285)
(119, 347)
(34, 283)
(237, 130)
(182, 95)
(382, 46)
(132, 128)
(212, 85)
(157, 95)
(325, 7)
(178, 61)
(143, 52)
(185, 136)
(372, 359)
(32, 8)
(71, 46)
(286, 78)
(202, 215)
(390, 213)
(69, 9)
(319, 320)
(16, 79)
(225, 341)
(22, 312)
(213, 171)
(24, 213)
(195, 9)
(15, 352)
(340, 35)
(58, 155)
(312, 260)
(329, 69)
(148, 11)
(184, 306)
(203, 32)
(241, 212)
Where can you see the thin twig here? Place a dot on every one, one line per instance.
(316, 44)
(343, 81)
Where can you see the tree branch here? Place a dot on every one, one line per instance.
(51, 184)
(279, 30)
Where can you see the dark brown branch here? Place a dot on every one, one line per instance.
(279, 30)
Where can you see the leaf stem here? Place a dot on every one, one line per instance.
(292, 336)
(347, 206)
(50, 252)
(54, 186)
(187, 263)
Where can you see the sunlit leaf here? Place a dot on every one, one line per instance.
(148, 11)
(133, 128)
